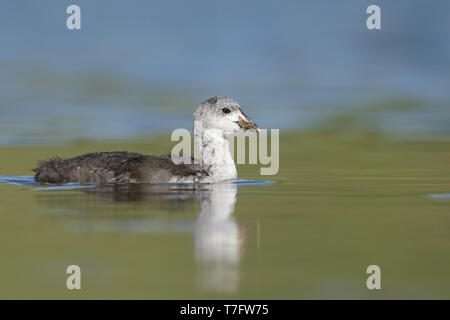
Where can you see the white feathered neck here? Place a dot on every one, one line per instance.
(213, 149)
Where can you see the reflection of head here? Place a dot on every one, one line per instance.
(217, 239)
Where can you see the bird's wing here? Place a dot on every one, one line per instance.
(152, 169)
(115, 167)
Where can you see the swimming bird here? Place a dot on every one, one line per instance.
(217, 117)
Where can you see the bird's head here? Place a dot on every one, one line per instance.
(224, 114)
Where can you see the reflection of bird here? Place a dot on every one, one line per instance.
(217, 116)
(218, 240)
(218, 237)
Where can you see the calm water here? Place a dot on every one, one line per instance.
(298, 238)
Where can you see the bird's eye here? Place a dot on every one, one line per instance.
(226, 110)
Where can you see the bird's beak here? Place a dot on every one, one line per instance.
(246, 123)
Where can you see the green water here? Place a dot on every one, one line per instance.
(342, 202)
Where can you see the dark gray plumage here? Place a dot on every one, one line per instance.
(114, 167)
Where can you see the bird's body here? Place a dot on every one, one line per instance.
(217, 115)
(118, 167)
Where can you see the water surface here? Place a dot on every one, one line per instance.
(340, 204)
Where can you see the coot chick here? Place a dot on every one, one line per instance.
(217, 116)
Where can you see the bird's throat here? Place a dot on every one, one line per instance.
(213, 149)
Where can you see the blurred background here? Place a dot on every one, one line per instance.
(364, 119)
(140, 67)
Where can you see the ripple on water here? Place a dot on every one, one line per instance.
(29, 181)
(445, 196)
(244, 182)
(19, 180)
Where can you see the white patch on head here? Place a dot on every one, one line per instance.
(213, 113)
(214, 120)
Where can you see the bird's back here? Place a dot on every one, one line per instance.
(115, 167)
